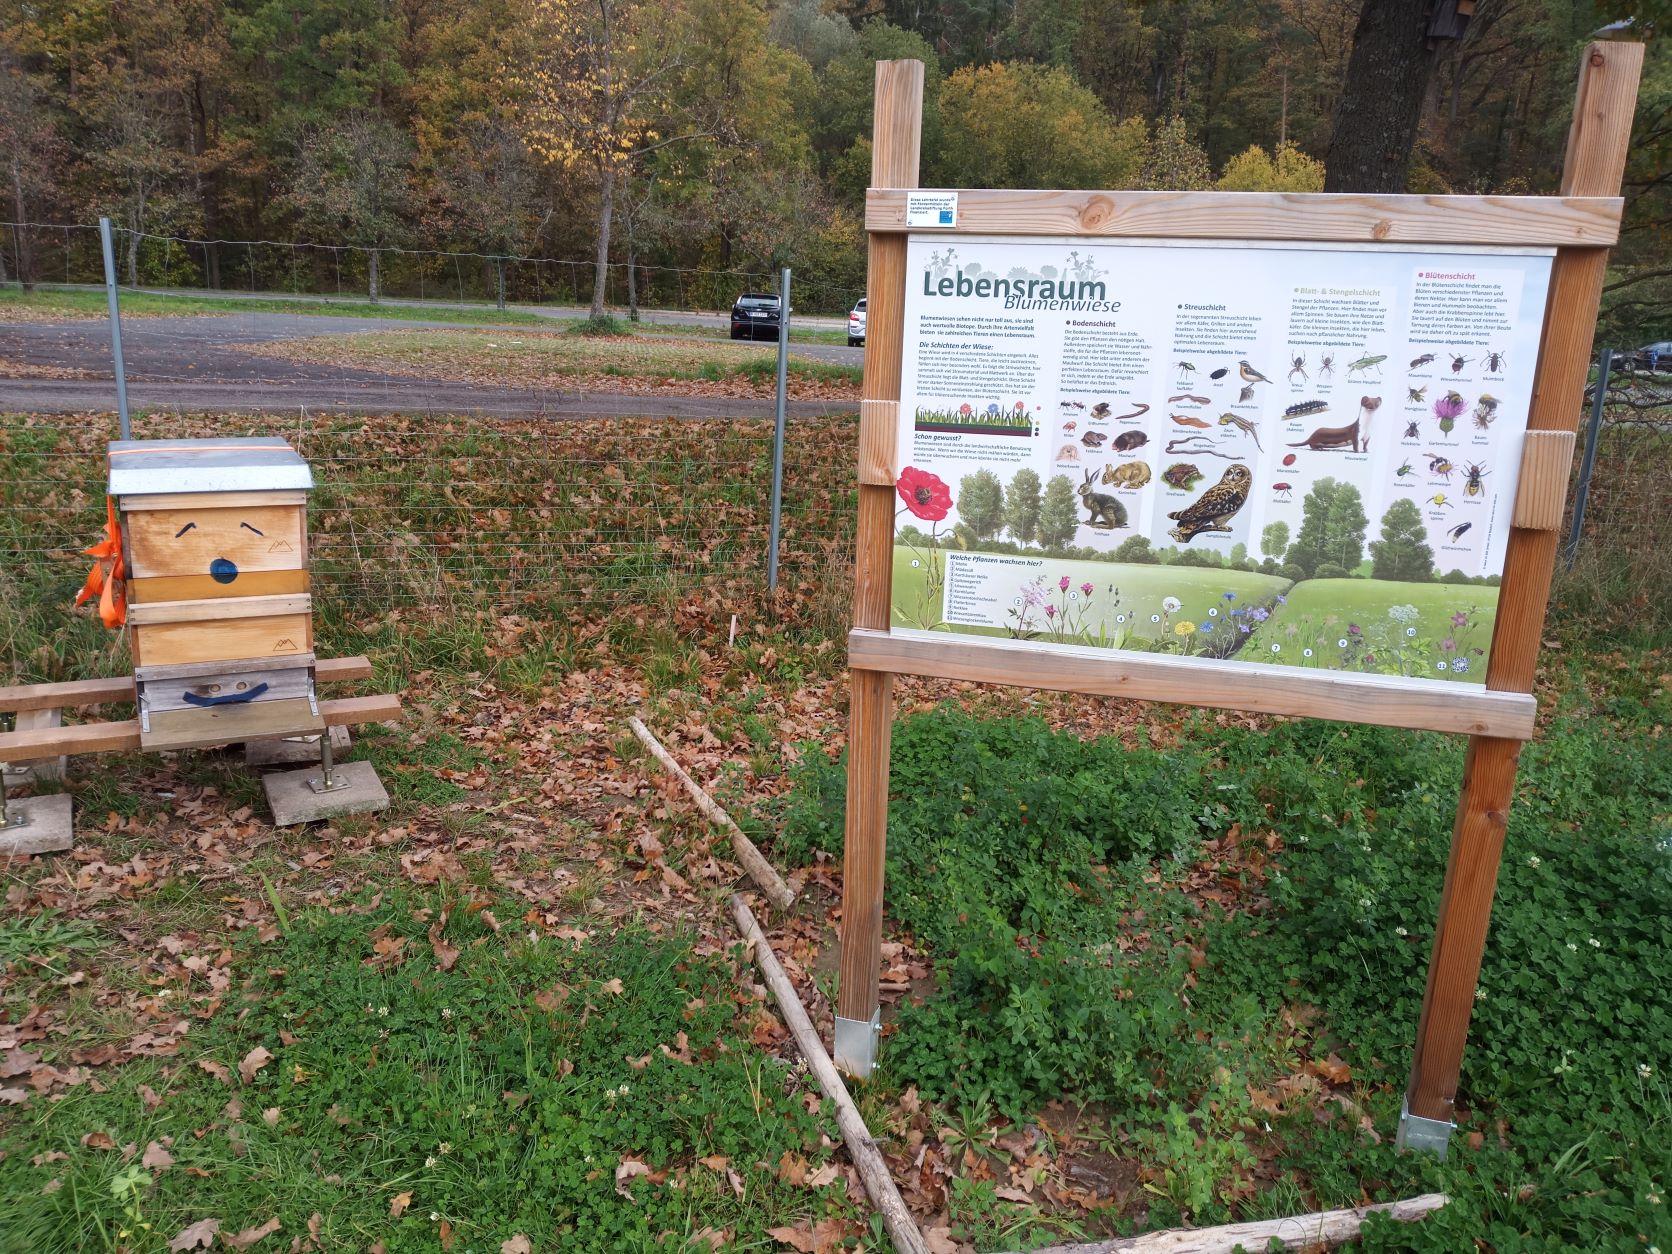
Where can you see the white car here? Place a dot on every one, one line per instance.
(856, 324)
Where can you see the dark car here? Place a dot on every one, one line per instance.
(755, 317)
(1659, 354)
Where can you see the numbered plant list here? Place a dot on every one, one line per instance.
(1292, 455)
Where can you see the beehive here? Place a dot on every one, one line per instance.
(219, 617)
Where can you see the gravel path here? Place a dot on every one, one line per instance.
(195, 364)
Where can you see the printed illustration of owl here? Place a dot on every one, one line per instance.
(1215, 507)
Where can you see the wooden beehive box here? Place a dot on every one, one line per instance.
(219, 617)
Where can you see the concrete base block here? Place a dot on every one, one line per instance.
(293, 799)
(46, 827)
(293, 750)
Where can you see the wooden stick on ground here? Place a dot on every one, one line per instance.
(902, 1229)
(1321, 1230)
(754, 862)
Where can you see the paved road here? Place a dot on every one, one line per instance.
(561, 313)
(195, 364)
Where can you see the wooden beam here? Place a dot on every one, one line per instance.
(1541, 490)
(1317, 217)
(27, 746)
(1595, 166)
(215, 611)
(82, 692)
(896, 136)
(1384, 700)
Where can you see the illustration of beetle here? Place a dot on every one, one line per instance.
(1326, 366)
(1298, 367)
(1495, 361)
(1365, 363)
(1458, 361)
(1456, 533)
(1283, 490)
(1220, 373)
(1418, 362)
(1440, 466)
(1404, 469)
(1186, 370)
(1472, 485)
(1417, 396)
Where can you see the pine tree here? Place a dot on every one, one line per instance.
(1402, 552)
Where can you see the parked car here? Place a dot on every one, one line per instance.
(856, 324)
(1660, 353)
(755, 317)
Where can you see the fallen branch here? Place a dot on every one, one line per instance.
(1320, 1230)
(760, 870)
(902, 1229)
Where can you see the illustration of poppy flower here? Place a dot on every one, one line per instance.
(924, 494)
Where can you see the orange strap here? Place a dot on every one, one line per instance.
(106, 580)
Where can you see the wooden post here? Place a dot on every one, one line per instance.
(1595, 166)
(896, 133)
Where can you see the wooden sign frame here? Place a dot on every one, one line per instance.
(1581, 223)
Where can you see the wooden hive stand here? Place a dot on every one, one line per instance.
(220, 624)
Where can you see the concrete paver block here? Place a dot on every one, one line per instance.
(47, 825)
(293, 799)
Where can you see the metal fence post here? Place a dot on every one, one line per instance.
(778, 428)
(115, 330)
(1590, 461)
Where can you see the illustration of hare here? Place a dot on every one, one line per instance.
(1105, 510)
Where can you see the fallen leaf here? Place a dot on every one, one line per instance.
(445, 955)
(614, 986)
(518, 1244)
(824, 1175)
(197, 1237)
(1334, 1070)
(940, 1241)
(13, 1097)
(399, 1203)
(156, 1158)
(629, 1168)
(715, 1162)
(220, 1072)
(98, 1140)
(249, 1236)
(445, 1232)
(270, 1116)
(253, 1062)
(1014, 1195)
(149, 1097)
(1262, 1100)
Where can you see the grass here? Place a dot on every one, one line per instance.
(402, 1071)
(553, 359)
(70, 303)
(1319, 613)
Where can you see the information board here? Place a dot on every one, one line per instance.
(1278, 454)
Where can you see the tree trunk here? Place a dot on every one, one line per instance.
(499, 280)
(632, 285)
(133, 257)
(601, 267)
(1381, 101)
(371, 273)
(25, 248)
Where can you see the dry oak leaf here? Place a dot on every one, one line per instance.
(221, 1073)
(614, 986)
(98, 1140)
(253, 1062)
(518, 1244)
(156, 1158)
(197, 1237)
(399, 1203)
(13, 1097)
(445, 955)
(940, 1241)
(249, 1236)
(823, 1238)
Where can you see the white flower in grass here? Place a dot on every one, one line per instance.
(1593, 942)
(1399, 931)
(1533, 861)
(1171, 604)
(1644, 1070)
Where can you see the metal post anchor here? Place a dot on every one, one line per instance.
(10, 820)
(325, 781)
(855, 1045)
(1431, 1136)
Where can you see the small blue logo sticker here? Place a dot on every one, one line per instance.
(946, 217)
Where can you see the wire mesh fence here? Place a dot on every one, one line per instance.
(70, 254)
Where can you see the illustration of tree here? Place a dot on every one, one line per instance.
(981, 503)
(1058, 514)
(1309, 547)
(1137, 550)
(1274, 540)
(353, 182)
(1402, 552)
(1021, 506)
(1344, 528)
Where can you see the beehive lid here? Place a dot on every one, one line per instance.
(239, 464)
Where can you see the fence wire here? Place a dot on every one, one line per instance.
(69, 253)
